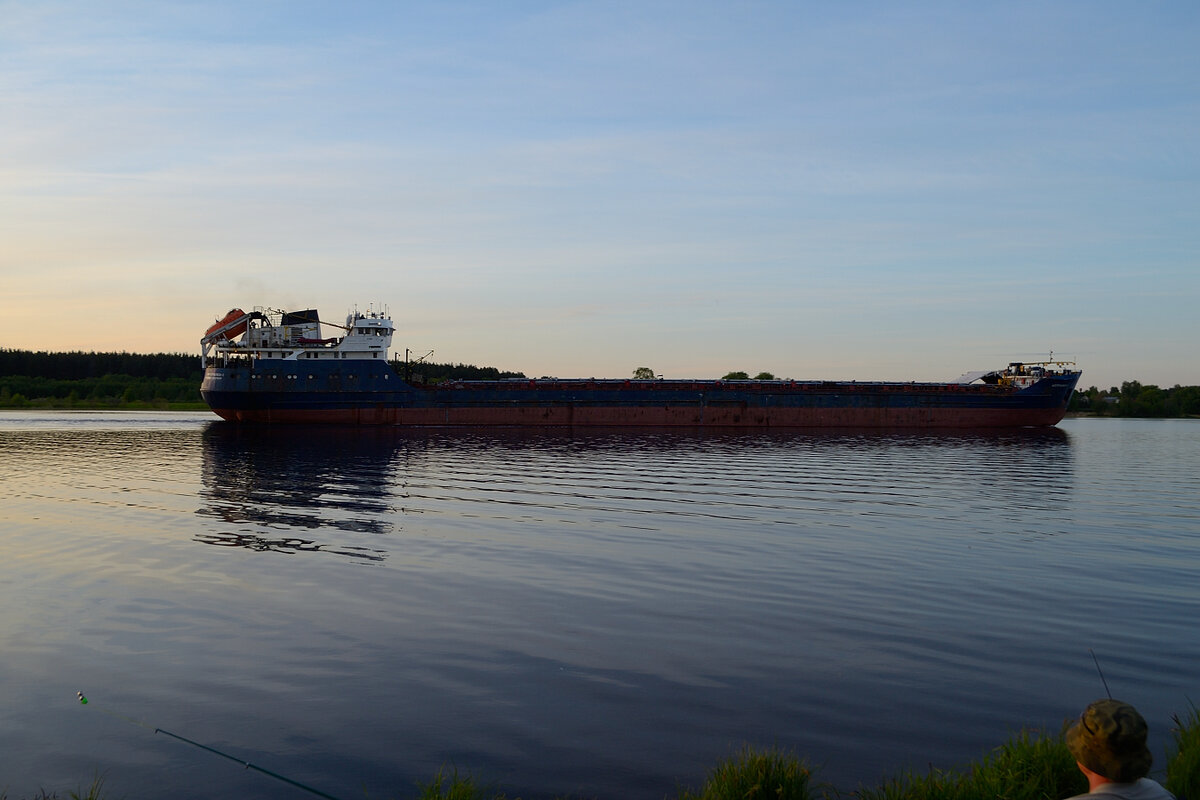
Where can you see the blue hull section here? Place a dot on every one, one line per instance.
(372, 392)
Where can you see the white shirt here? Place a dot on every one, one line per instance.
(1141, 789)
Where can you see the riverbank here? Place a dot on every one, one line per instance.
(1029, 766)
(56, 404)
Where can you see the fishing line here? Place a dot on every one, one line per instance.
(1093, 652)
(84, 701)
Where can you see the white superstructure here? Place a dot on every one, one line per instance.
(267, 333)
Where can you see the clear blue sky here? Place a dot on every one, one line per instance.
(820, 189)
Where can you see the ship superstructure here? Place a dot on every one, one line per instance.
(274, 335)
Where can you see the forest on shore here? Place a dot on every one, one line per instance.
(30, 379)
(1133, 399)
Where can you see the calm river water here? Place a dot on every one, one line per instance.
(595, 614)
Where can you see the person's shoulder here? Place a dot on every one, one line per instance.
(1152, 790)
(1141, 789)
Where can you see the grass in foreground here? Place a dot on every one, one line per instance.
(1026, 767)
(1029, 766)
(91, 793)
(453, 787)
(1183, 758)
(756, 775)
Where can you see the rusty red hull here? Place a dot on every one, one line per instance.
(652, 417)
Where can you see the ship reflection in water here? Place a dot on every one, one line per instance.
(333, 490)
(298, 490)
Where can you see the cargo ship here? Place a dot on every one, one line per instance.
(272, 366)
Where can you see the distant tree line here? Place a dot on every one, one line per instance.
(99, 380)
(77, 365)
(745, 376)
(436, 373)
(1133, 399)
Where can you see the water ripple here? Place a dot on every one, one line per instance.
(604, 613)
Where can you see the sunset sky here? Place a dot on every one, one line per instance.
(817, 189)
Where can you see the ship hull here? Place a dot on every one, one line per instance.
(372, 393)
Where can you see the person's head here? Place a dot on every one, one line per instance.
(1109, 738)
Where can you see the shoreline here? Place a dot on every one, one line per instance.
(1029, 765)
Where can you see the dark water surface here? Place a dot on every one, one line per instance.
(594, 614)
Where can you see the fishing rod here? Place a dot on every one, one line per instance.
(84, 701)
(1093, 652)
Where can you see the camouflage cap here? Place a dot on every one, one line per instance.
(1109, 738)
